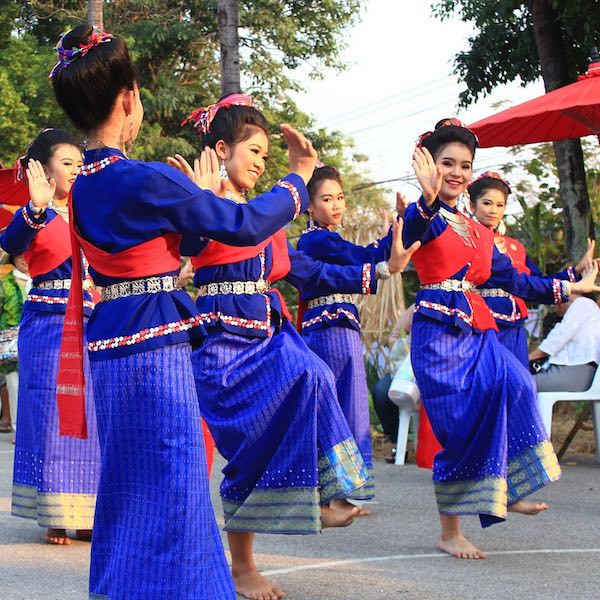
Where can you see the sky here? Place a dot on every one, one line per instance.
(398, 84)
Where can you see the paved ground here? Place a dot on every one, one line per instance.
(390, 555)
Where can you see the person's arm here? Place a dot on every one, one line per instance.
(328, 246)
(20, 232)
(175, 203)
(544, 290)
(329, 278)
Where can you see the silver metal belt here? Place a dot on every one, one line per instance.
(234, 287)
(493, 293)
(452, 285)
(137, 287)
(331, 299)
(54, 284)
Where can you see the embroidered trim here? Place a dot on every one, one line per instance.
(99, 165)
(366, 279)
(53, 300)
(515, 316)
(422, 212)
(256, 324)
(450, 312)
(558, 289)
(144, 334)
(572, 274)
(29, 221)
(340, 312)
(291, 188)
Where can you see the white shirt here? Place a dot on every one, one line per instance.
(576, 339)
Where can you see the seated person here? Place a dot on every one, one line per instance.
(572, 347)
(386, 410)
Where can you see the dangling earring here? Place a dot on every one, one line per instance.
(501, 229)
(130, 140)
(223, 171)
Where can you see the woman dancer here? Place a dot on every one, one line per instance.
(55, 479)
(331, 325)
(488, 196)
(480, 399)
(155, 535)
(270, 403)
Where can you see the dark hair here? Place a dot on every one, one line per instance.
(87, 88)
(234, 124)
(481, 185)
(319, 175)
(444, 134)
(45, 144)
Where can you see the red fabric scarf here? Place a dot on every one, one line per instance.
(158, 255)
(217, 253)
(49, 248)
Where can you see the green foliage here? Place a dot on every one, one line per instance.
(534, 180)
(502, 47)
(175, 46)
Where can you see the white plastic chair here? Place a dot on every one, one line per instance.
(405, 394)
(546, 401)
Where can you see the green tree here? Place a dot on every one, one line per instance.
(523, 40)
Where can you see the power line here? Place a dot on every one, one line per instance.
(362, 112)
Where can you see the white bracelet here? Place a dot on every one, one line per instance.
(382, 269)
(35, 209)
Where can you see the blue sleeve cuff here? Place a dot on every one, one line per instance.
(427, 213)
(298, 192)
(34, 221)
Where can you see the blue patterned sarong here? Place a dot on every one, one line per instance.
(155, 535)
(515, 340)
(483, 409)
(55, 478)
(271, 406)
(341, 349)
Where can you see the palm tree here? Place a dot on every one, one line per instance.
(94, 13)
(230, 51)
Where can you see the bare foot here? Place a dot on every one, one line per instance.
(527, 507)
(57, 537)
(338, 518)
(460, 547)
(251, 584)
(343, 504)
(84, 535)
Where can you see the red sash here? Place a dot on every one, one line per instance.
(217, 253)
(49, 249)
(158, 255)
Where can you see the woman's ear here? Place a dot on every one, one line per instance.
(222, 150)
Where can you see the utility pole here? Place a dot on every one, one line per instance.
(230, 46)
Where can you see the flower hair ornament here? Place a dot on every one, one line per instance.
(67, 55)
(491, 175)
(444, 123)
(203, 117)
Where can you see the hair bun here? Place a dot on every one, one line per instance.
(78, 36)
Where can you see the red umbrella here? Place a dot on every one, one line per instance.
(12, 191)
(571, 111)
(6, 215)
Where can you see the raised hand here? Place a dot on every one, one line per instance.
(588, 258)
(302, 155)
(41, 191)
(587, 283)
(400, 256)
(385, 221)
(428, 174)
(205, 174)
(401, 203)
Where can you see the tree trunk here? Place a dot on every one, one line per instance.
(230, 51)
(569, 155)
(94, 13)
